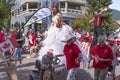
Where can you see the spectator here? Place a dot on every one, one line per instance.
(114, 48)
(2, 39)
(32, 41)
(12, 36)
(17, 53)
(102, 57)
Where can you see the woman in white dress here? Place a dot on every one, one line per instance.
(55, 35)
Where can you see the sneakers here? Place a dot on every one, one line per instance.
(28, 57)
(20, 65)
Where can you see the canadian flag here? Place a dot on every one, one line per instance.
(8, 44)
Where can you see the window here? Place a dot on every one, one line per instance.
(12, 13)
(33, 5)
(24, 7)
(74, 6)
(62, 4)
(18, 11)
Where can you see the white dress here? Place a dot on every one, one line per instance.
(54, 41)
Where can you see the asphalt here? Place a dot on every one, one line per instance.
(28, 67)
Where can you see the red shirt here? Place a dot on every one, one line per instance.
(117, 42)
(98, 20)
(32, 38)
(71, 52)
(86, 38)
(13, 36)
(2, 37)
(82, 38)
(105, 52)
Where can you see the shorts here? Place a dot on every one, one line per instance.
(17, 54)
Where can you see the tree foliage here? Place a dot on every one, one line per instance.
(83, 22)
(5, 13)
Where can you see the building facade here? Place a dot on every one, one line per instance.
(23, 9)
(72, 9)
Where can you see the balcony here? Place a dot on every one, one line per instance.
(29, 11)
(75, 1)
(71, 12)
(24, 1)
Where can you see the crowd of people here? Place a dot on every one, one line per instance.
(71, 47)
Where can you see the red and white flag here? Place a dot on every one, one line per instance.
(8, 44)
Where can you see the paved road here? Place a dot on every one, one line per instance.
(28, 66)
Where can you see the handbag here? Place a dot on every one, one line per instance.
(110, 68)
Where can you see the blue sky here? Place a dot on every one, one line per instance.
(115, 5)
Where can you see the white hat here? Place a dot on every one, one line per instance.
(67, 37)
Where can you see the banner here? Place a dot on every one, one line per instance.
(38, 15)
(8, 44)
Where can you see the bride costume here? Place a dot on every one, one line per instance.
(54, 39)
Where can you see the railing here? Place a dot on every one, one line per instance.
(25, 12)
(77, 1)
(72, 11)
(24, 1)
(29, 11)
(32, 10)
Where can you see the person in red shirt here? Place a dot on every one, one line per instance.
(102, 57)
(73, 56)
(12, 36)
(2, 37)
(97, 23)
(86, 41)
(32, 41)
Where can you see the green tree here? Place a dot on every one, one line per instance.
(5, 13)
(83, 23)
(2, 14)
(95, 5)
